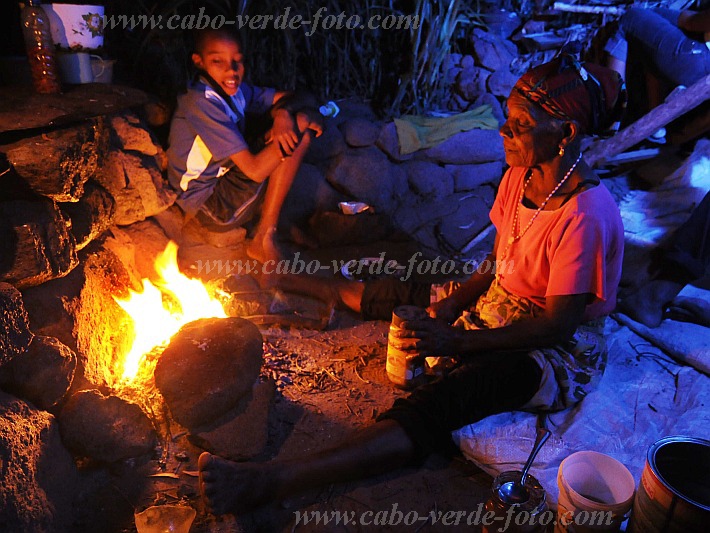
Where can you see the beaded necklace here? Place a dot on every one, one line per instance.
(515, 238)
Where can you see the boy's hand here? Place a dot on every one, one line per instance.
(285, 131)
(310, 119)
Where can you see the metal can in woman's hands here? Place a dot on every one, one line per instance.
(405, 365)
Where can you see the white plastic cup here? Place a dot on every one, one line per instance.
(596, 493)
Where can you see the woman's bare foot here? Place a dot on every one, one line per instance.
(648, 303)
(263, 247)
(229, 487)
(686, 309)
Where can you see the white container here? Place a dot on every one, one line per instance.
(76, 27)
(591, 484)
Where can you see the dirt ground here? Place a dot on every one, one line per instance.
(329, 383)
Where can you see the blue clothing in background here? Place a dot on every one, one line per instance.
(654, 33)
(204, 133)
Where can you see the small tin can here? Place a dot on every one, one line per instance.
(405, 366)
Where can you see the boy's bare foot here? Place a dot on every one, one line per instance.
(648, 303)
(263, 247)
(229, 487)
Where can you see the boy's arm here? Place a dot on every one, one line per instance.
(258, 167)
(294, 113)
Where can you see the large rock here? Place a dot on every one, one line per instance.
(241, 434)
(131, 136)
(43, 247)
(359, 132)
(58, 164)
(470, 217)
(42, 374)
(501, 82)
(467, 147)
(137, 184)
(469, 177)
(15, 334)
(105, 428)
(209, 365)
(330, 144)
(310, 193)
(388, 142)
(367, 175)
(91, 215)
(428, 179)
(492, 51)
(332, 228)
(38, 474)
(471, 82)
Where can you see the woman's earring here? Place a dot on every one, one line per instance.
(562, 150)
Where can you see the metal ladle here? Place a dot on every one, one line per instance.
(515, 491)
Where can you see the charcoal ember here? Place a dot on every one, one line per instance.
(42, 374)
(15, 334)
(209, 365)
(105, 428)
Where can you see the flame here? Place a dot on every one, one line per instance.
(154, 316)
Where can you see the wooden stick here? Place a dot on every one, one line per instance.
(606, 10)
(677, 103)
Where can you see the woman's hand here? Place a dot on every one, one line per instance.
(429, 337)
(447, 310)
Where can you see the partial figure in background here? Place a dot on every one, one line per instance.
(668, 45)
(686, 258)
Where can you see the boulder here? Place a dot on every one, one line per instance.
(105, 428)
(330, 144)
(57, 164)
(501, 82)
(209, 365)
(471, 216)
(428, 179)
(131, 136)
(337, 229)
(309, 194)
(388, 142)
(243, 432)
(489, 99)
(91, 215)
(469, 177)
(359, 132)
(467, 147)
(367, 176)
(492, 51)
(471, 82)
(43, 247)
(15, 334)
(38, 475)
(137, 185)
(42, 374)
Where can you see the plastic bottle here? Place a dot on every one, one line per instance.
(40, 49)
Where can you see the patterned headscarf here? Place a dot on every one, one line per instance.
(566, 89)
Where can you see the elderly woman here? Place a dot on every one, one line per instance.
(530, 337)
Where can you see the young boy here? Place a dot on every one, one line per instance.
(220, 178)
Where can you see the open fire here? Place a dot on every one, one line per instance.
(163, 308)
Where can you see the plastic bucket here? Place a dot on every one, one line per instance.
(674, 493)
(596, 493)
(76, 26)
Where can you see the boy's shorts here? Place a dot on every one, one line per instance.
(234, 201)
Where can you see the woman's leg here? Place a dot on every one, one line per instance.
(409, 431)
